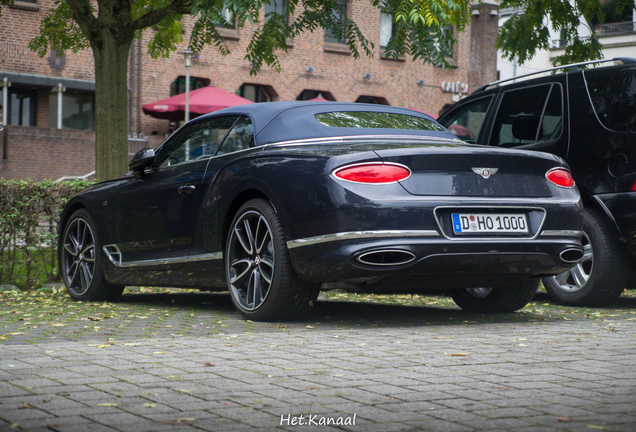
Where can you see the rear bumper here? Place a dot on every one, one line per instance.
(459, 263)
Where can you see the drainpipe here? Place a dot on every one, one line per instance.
(60, 90)
(139, 89)
(5, 99)
(131, 99)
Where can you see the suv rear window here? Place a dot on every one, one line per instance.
(613, 95)
(376, 120)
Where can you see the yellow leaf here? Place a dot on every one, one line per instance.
(522, 345)
(188, 419)
(159, 352)
(149, 405)
(184, 391)
(597, 427)
(309, 327)
(103, 346)
(338, 375)
(14, 425)
(107, 404)
(458, 354)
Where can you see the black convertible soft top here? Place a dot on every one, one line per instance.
(295, 120)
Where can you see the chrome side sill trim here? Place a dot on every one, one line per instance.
(561, 233)
(291, 244)
(158, 262)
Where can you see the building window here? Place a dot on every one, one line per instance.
(21, 109)
(277, 7)
(386, 28)
(229, 18)
(78, 111)
(340, 15)
(178, 85)
(255, 93)
(448, 32)
(315, 94)
(378, 100)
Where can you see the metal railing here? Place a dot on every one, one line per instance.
(624, 27)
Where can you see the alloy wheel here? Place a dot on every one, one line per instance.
(575, 278)
(250, 260)
(79, 256)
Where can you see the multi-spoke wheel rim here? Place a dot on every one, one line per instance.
(250, 260)
(479, 293)
(79, 256)
(575, 279)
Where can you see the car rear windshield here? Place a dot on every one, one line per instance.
(613, 94)
(376, 120)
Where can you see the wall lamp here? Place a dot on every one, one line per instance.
(420, 82)
(366, 76)
(310, 69)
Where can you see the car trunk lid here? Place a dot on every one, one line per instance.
(462, 171)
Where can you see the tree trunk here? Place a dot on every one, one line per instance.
(111, 99)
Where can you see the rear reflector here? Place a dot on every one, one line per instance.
(374, 173)
(634, 186)
(560, 177)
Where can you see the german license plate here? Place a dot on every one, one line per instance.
(490, 223)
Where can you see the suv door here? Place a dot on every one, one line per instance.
(531, 118)
(467, 120)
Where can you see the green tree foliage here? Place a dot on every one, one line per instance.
(527, 32)
(110, 27)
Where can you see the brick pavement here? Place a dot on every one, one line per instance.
(395, 368)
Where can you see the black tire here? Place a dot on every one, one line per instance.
(496, 300)
(81, 261)
(601, 275)
(262, 282)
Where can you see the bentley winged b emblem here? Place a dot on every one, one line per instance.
(485, 172)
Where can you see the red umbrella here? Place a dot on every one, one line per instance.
(202, 101)
(422, 111)
(462, 132)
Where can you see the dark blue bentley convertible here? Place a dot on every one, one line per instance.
(277, 201)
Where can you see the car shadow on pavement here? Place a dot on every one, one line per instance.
(352, 314)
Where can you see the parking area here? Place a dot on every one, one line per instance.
(188, 362)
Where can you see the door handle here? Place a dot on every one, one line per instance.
(186, 190)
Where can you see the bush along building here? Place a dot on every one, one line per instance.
(48, 105)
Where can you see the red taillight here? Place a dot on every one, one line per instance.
(375, 173)
(634, 186)
(560, 177)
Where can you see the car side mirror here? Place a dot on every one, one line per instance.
(142, 160)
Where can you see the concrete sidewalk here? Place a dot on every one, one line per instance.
(384, 367)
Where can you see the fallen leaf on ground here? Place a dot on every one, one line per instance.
(563, 419)
(208, 364)
(190, 419)
(184, 391)
(159, 352)
(597, 427)
(107, 404)
(95, 318)
(458, 354)
(25, 406)
(149, 405)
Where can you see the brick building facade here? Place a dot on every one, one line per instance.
(311, 66)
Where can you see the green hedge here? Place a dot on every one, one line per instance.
(29, 216)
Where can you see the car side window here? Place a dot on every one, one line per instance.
(241, 137)
(527, 116)
(200, 141)
(467, 121)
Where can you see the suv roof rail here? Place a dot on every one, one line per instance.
(575, 66)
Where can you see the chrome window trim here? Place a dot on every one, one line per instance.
(490, 239)
(365, 138)
(354, 235)
(160, 261)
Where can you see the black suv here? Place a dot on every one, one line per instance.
(588, 117)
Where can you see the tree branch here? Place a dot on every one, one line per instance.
(82, 14)
(154, 16)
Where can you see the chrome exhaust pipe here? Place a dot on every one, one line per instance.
(571, 255)
(386, 257)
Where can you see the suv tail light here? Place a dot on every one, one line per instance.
(373, 173)
(634, 186)
(560, 177)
